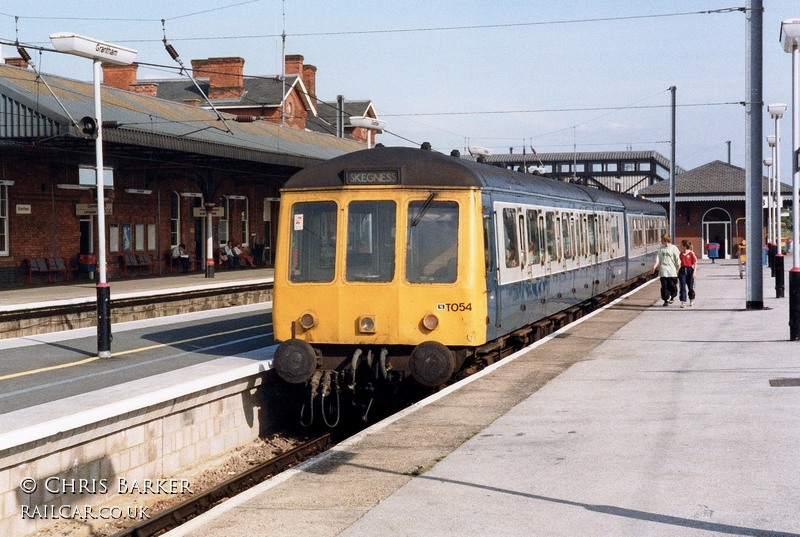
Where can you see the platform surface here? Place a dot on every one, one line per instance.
(676, 422)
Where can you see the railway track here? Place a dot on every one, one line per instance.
(175, 516)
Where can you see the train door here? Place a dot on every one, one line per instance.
(551, 242)
(490, 247)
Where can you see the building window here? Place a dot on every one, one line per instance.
(223, 223)
(3, 220)
(175, 219)
(644, 166)
(245, 222)
(597, 167)
(629, 167)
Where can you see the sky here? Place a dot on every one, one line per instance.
(554, 76)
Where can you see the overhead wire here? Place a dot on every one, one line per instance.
(421, 29)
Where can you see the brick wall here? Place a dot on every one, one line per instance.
(53, 229)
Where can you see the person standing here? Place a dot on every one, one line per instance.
(668, 261)
(687, 272)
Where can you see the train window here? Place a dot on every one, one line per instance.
(534, 244)
(510, 239)
(551, 236)
(371, 232)
(591, 237)
(432, 242)
(523, 252)
(566, 238)
(312, 242)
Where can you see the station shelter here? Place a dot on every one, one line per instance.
(167, 165)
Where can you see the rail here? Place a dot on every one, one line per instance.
(185, 511)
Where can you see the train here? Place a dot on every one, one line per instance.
(398, 264)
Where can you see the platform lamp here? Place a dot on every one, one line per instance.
(98, 51)
(790, 37)
(776, 112)
(771, 248)
(768, 164)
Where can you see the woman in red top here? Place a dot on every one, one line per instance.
(687, 272)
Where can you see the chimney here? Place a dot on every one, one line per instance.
(16, 62)
(145, 88)
(294, 64)
(225, 76)
(119, 76)
(310, 80)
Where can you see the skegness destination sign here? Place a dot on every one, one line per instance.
(372, 177)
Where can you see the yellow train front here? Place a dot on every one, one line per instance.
(367, 281)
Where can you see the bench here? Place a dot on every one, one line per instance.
(60, 265)
(174, 263)
(146, 260)
(55, 265)
(137, 261)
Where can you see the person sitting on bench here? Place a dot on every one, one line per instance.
(179, 253)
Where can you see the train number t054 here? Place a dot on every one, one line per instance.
(455, 306)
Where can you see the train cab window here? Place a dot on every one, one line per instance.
(534, 244)
(313, 242)
(432, 242)
(371, 232)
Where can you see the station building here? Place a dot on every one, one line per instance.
(617, 171)
(166, 163)
(710, 205)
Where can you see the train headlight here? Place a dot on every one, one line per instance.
(430, 321)
(308, 320)
(366, 324)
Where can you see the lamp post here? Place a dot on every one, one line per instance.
(98, 51)
(790, 38)
(768, 163)
(771, 248)
(776, 112)
(771, 144)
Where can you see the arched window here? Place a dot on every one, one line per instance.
(175, 219)
(3, 220)
(245, 222)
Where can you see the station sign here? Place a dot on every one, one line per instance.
(200, 212)
(23, 209)
(90, 209)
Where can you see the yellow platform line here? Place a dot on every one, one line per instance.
(123, 353)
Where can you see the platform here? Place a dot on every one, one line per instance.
(670, 422)
(69, 293)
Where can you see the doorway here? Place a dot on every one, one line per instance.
(717, 228)
(87, 235)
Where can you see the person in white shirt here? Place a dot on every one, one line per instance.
(179, 253)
